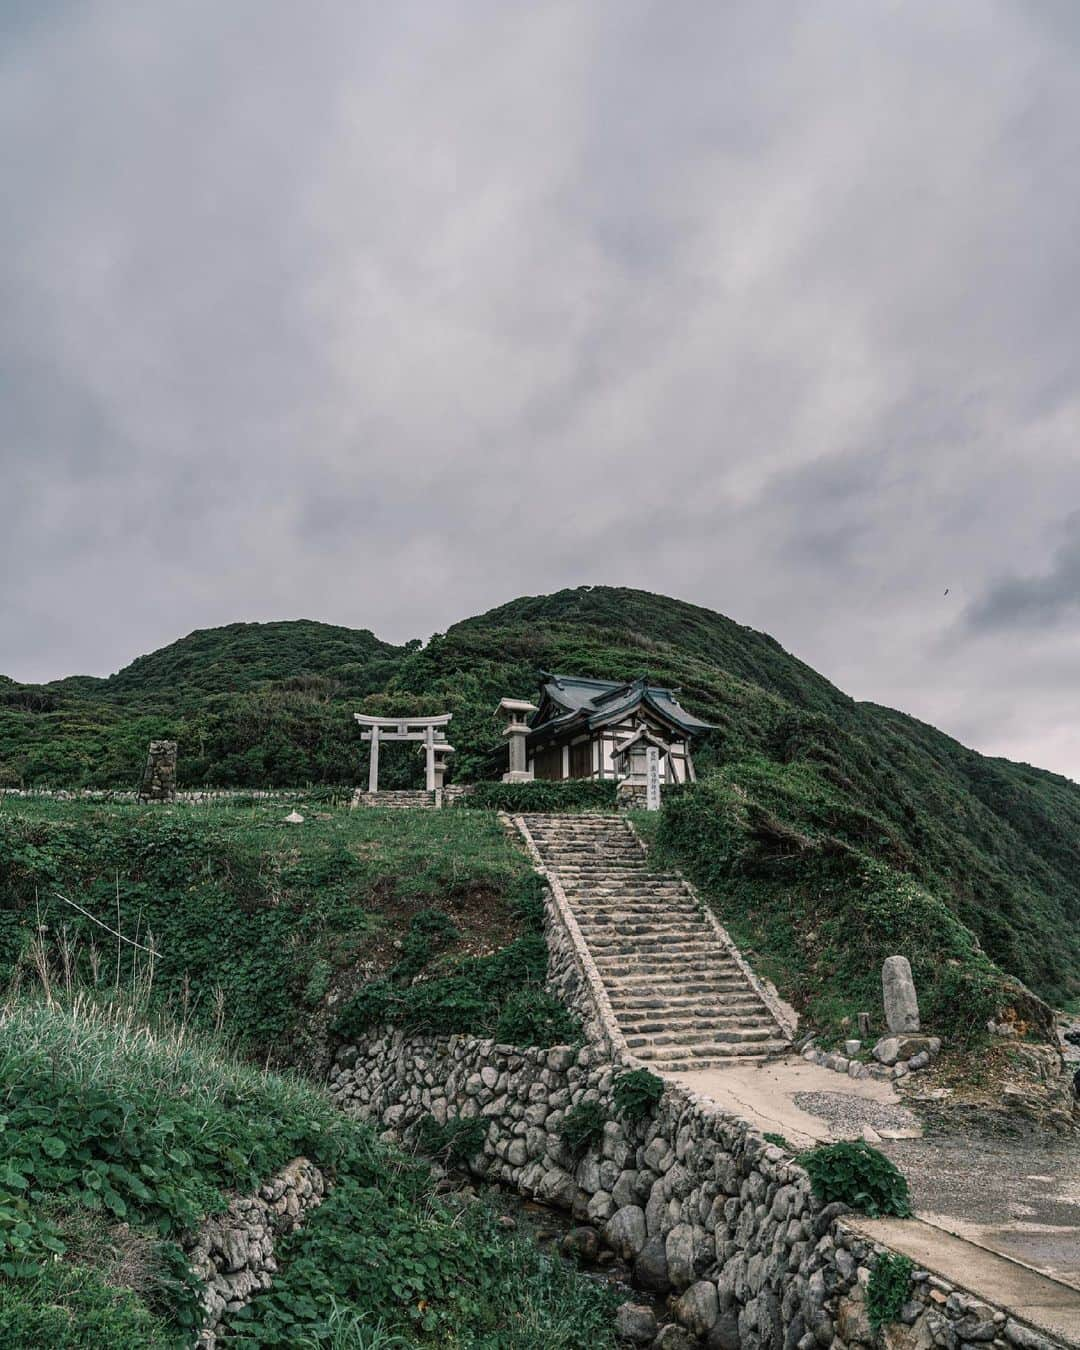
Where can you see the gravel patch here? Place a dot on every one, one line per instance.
(848, 1114)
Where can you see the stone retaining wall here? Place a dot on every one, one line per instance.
(234, 1251)
(701, 1205)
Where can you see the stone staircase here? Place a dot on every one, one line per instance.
(679, 994)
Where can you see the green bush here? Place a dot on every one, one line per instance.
(887, 1291)
(579, 794)
(636, 1094)
(860, 1176)
(533, 1017)
(583, 1126)
(459, 1139)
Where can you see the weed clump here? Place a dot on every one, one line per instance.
(583, 1126)
(887, 1291)
(860, 1176)
(636, 1094)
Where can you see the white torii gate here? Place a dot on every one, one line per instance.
(430, 730)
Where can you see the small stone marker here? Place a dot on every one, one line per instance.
(898, 992)
(159, 776)
(864, 1025)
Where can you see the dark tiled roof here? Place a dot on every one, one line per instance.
(572, 699)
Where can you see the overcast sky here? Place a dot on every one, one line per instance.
(385, 314)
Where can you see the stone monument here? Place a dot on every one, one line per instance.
(159, 776)
(898, 992)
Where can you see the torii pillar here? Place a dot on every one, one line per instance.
(373, 763)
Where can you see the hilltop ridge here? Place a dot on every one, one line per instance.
(271, 704)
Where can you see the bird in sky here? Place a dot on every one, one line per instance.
(946, 590)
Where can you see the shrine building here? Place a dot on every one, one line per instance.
(586, 728)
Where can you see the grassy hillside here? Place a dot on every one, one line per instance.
(119, 1140)
(998, 844)
(276, 932)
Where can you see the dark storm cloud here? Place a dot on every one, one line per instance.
(1034, 602)
(384, 314)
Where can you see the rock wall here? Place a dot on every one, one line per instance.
(234, 1252)
(703, 1207)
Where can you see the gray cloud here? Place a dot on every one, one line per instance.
(1039, 601)
(384, 314)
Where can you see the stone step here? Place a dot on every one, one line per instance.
(663, 999)
(642, 983)
(696, 1057)
(654, 916)
(654, 965)
(694, 944)
(686, 1041)
(627, 928)
(659, 1026)
(674, 1066)
(641, 1005)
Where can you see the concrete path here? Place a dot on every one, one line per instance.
(999, 1217)
(805, 1103)
(1044, 1303)
(1019, 1198)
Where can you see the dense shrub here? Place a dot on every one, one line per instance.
(518, 798)
(454, 1141)
(255, 922)
(69, 1307)
(583, 1126)
(860, 1176)
(533, 1017)
(636, 1094)
(470, 997)
(887, 1290)
(452, 1278)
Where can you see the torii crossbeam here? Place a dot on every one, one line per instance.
(430, 730)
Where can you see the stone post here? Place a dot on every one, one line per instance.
(373, 762)
(159, 776)
(898, 992)
(429, 758)
(516, 731)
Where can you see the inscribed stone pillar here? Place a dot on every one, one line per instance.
(898, 992)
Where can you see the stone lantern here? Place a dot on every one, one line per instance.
(516, 730)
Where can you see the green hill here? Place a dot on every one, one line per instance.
(817, 774)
